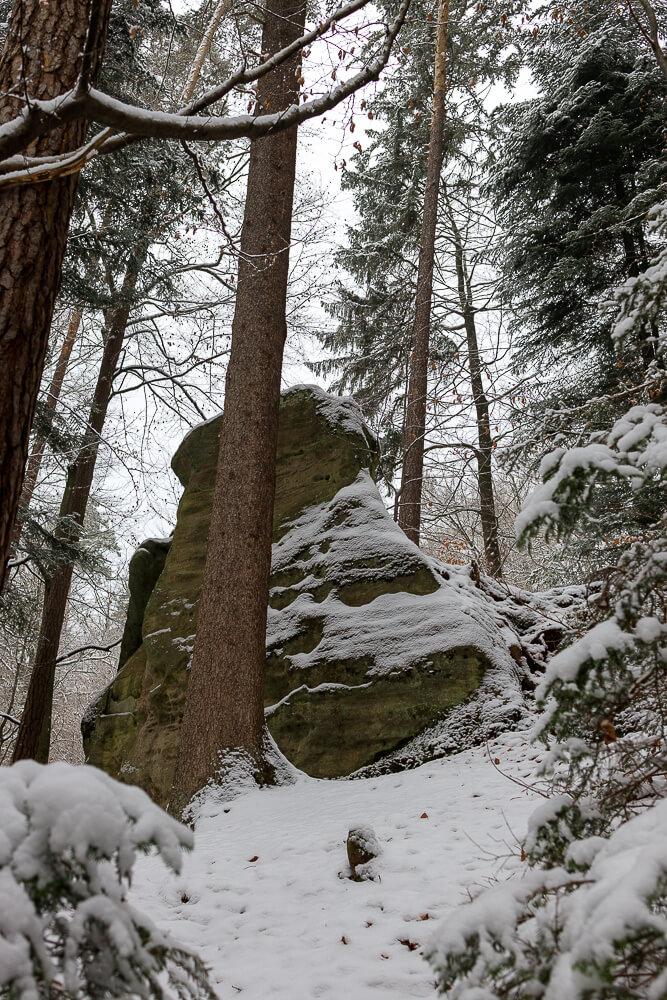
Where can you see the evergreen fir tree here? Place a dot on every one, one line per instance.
(578, 168)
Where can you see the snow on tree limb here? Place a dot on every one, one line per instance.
(83, 102)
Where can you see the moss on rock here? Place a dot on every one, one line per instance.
(366, 643)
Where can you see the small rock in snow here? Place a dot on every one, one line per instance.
(363, 847)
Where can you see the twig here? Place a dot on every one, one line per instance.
(84, 649)
(209, 195)
(517, 781)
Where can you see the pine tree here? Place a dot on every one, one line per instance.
(578, 168)
(414, 424)
(224, 710)
(371, 347)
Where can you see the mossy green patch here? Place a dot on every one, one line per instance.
(331, 730)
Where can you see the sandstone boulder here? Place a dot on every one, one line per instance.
(369, 642)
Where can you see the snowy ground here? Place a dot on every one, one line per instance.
(266, 897)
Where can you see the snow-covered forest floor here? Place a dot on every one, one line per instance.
(266, 898)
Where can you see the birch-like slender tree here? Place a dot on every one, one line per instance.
(39, 445)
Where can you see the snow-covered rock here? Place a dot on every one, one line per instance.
(370, 644)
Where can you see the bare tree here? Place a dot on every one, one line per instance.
(51, 402)
(34, 733)
(484, 439)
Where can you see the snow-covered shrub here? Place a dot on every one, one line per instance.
(589, 921)
(69, 837)
(598, 931)
(604, 698)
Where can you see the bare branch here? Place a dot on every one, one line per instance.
(133, 122)
(85, 649)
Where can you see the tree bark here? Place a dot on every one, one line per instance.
(39, 446)
(45, 51)
(225, 701)
(415, 419)
(487, 504)
(653, 33)
(34, 733)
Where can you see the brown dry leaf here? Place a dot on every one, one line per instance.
(606, 727)
(256, 858)
(424, 816)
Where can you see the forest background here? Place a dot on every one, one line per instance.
(353, 260)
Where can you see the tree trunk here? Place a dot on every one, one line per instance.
(37, 453)
(653, 34)
(41, 58)
(487, 503)
(220, 11)
(415, 418)
(225, 700)
(34, 733)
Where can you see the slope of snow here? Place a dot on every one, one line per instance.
(266, 896)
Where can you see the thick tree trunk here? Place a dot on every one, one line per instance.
(42, 58)
(34, 733)
(225, 701)
(39, 446)
(487, 504)
(415, 418)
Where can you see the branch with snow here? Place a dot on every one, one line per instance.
(563, 934)
(83, 102)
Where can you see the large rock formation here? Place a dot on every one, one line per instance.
(369, 642)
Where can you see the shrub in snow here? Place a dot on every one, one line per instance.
(69, 837)
(593, 928)
(589, 921)
(604, 698)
